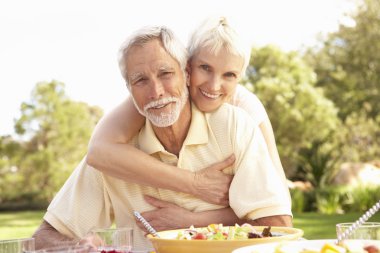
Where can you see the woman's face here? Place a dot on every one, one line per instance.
(213, 78)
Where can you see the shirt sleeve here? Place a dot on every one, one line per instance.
(77, 208)
(250, 103)
(257, 189)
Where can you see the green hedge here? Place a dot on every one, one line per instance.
(335, 199)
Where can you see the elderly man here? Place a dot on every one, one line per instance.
(176, 132)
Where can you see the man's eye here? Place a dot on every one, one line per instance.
(166, 74)
(139, 81)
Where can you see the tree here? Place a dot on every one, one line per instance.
(299, 112)
(348, 64)
(360, 138)
(54, 131)
(10, 184)
(348, 69)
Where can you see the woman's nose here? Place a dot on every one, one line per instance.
(215, 83)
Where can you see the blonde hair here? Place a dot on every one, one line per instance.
(216, 33)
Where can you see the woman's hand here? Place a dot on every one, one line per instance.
(212, 184)
(167, 216)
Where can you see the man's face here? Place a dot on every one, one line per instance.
(157, 83)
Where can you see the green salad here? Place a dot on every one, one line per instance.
(219, 232)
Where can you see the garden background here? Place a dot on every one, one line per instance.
(323, 102)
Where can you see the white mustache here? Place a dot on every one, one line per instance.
(159, 102)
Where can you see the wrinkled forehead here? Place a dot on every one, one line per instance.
(150, 57)
(159, 68)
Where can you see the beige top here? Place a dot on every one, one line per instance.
(248, 101)
(91, 199)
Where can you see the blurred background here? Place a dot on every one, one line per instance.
(315, 65)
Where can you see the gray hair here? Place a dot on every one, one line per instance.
(216, 33)
(146, 34)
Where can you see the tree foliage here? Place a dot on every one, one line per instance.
(299, 112)
(348, 64)
(348, 70)
(54, 131)
(359, 138)
(323, 105)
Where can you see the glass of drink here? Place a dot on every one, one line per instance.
(367, 231)
(22, 245)
(113, 240)
(66, 249)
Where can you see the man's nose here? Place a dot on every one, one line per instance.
(156, 89)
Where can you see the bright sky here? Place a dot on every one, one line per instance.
(76, 41)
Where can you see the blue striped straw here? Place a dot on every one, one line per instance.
(359, 222)
(146, 224)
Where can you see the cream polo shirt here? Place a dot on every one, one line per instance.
(91, 199)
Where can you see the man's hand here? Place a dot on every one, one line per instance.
(47, 236)
(92, 241)
(167, 215)
(212, 184)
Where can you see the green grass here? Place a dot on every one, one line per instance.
(315, 226)
(19, 224)
(322, 226)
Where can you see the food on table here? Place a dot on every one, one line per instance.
(109, 249)
(220, 232)
(116, 251)
(346, 247)
(113, 251)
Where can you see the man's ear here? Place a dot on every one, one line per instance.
(188, 73)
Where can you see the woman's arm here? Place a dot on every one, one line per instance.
(168, 216)
(109, 152)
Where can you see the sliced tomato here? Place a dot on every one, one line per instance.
(199, 236)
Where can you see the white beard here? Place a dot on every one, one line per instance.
(164, 119)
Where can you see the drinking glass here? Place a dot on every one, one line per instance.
(367, 231)
(21, 245)
(115, 240)
(66, 249)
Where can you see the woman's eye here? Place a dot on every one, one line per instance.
(230, 75)
(205, 67)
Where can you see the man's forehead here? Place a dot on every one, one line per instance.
(157, 68)
(149, 58)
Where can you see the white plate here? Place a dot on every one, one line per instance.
(291, 246)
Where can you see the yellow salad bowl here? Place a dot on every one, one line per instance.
(167, 242)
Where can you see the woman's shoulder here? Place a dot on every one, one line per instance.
(248, 101)
(242, 96)
(228, 115)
